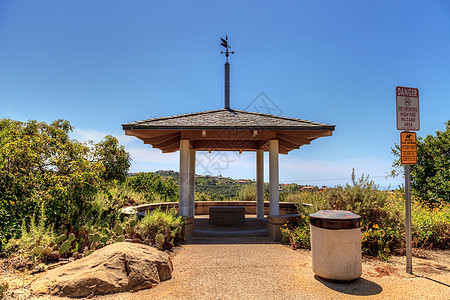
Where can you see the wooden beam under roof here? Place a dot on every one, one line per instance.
(307, 134)
(224, 134)
(225, 145)
(146, 133)
(167, 143)
(294, 139)
(282, 149)
(288, 144)
(172, 148)
(161, 138)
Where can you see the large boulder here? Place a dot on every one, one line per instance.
(115, 268)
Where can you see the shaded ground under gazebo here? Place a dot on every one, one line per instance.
(227, 130)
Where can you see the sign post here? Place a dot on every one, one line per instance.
(408, 119)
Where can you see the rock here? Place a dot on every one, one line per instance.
(115, 268)
(137, 241)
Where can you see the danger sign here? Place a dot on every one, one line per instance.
(407, 108)
(408, 148)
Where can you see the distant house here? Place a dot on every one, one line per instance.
(323, 188)
(307, 189)
(244, 180)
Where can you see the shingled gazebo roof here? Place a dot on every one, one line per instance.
(227, 129)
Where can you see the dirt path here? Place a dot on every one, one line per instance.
(257, 268)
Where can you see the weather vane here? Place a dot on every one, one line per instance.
(225, 44)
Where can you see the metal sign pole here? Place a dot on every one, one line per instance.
(408, 218)
(408, 118)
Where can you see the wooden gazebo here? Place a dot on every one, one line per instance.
(227, 130)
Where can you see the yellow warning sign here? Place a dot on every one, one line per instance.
(408, 148)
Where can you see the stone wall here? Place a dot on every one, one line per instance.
(202, 207)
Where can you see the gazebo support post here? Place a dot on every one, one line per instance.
(260, 184)
(183, 205)
(273, 178)
(191, 182)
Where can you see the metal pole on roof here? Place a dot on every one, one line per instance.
(227, 70)
(227, 85)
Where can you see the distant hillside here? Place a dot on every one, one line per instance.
(210, 185)
(222, 188)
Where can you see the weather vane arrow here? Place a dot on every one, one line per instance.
(225, 44)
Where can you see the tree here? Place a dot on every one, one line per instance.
(430, 178)
(114, 158)
(41, 168)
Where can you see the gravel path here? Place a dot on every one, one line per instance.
(257, 268)
(245, 267)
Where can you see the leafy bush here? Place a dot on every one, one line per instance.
(32, 238)
(380, 241)
(200, 196)
(3, 288)
(430, 177)
(247, 193)
(41, 167)
(383, 219)
(382, 222)
(153, 187)
(38, 243)
(297, 234)
(293, 196)
(431, 226)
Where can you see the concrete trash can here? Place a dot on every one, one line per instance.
(336, 244)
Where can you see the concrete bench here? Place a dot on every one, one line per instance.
(227, 215)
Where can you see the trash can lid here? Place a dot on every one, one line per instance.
(335, 219)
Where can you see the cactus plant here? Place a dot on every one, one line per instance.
(159, 239)
(104, 239)
(71, 237)
(64, 247)
(132, 223)
(118, 229)
(89, 252)
(120, 238)
(61, 238)
(130, 230)
(96, 237)
(47, 250)
(37, 251)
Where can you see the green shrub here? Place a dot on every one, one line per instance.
(293, 196)
(154, 188)
(378, 209)
(430, 177)
(109, 202)
(297, 234)
(167, 223)
(3, 288)
(381, 242)
(431, 226)
(41, 167)
(32, 237)
(247, 193)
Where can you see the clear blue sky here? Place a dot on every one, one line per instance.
(99, 64)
